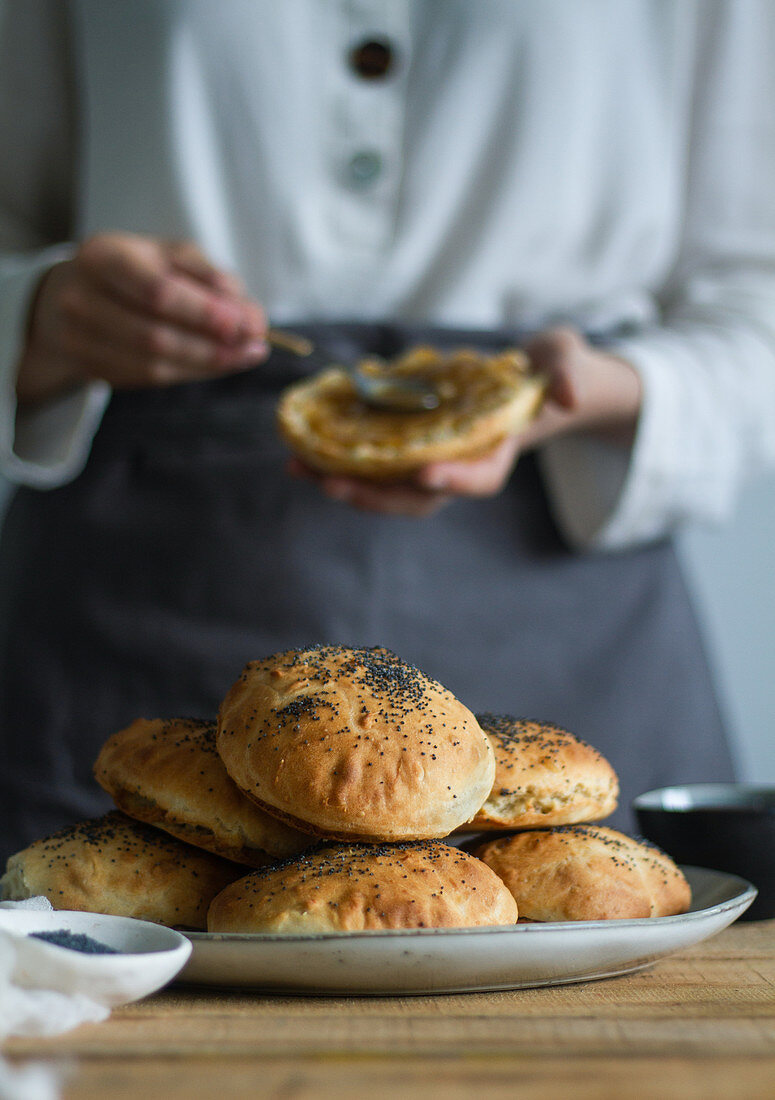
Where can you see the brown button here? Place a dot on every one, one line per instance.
(372, 59)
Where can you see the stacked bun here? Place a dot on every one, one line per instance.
(358, 747)
(169, 774)
(354, 744)
(341, 776)
(114, 864)
(548, 786)
(583, 872)
(543, 776)
(356, 887)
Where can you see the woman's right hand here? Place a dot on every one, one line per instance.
(137, 312)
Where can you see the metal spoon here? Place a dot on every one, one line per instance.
(380, 391)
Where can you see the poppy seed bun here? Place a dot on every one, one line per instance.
(354, 744)
(543, 776)
(483, 399)
(584, 872)
(349, 888)
(169, 774)
(114, 865)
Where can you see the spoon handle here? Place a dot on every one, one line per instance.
(290, 341)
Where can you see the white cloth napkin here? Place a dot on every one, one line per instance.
(46, 989)
(34, 1081)
(37, 1011)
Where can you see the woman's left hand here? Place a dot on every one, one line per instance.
(588, 390)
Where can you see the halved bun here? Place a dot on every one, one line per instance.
(483, 400)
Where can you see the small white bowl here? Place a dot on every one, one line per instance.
(150, 955)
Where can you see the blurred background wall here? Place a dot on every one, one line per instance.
(730, 571)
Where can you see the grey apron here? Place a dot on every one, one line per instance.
(184, 550)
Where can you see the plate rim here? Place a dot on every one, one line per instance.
(745, 896)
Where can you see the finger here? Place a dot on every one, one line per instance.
(124, 368)
(187, 258)
(558, 354)
(124, 327)
(136, 271)
(105, 360)
(254, 320)
(480, 477)
(551, 421)
(297, 468)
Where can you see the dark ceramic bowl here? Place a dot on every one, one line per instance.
(723, 826)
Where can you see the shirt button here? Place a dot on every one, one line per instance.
(372, 59)
(363, 168)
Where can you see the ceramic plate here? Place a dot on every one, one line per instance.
(149, 955)
(466, 960)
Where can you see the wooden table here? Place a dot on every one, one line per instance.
(698, 1025)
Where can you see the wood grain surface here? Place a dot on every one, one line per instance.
(700, 1024)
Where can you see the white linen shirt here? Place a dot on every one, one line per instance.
(525, 162)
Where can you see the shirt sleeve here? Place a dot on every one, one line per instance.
(708, 369)
(49, 445)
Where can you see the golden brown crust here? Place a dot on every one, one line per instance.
(349, 888)
(543, 776)
(585, 872)
(167, 772)
(483, 400)
(115, 865)
(354, 743)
